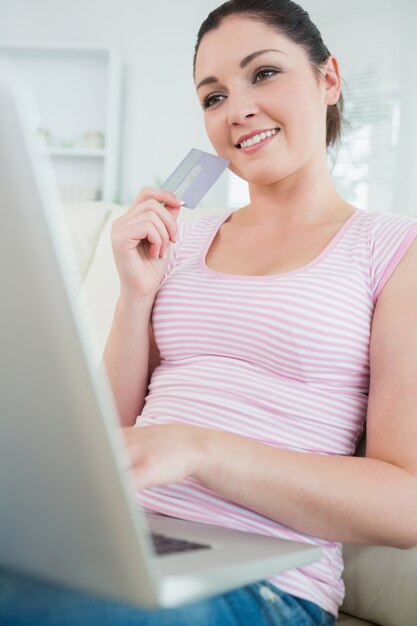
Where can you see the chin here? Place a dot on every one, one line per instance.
(260, 175)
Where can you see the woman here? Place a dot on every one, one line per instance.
(271, 332)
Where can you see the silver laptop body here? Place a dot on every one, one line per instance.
(66, 497)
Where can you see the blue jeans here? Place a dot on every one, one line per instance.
(29, 602)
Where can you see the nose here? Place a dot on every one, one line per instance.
(241, 107)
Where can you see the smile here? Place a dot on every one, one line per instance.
(256, 139)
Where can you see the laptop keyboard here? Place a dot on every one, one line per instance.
(166, 545)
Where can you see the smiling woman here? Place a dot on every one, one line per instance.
(293, 22)
(246, 364)
(285, 86)
(281, 363)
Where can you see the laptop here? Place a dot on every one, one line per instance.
(67, 511)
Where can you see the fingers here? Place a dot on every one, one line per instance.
(151, 199)
(148, 219)
(147, 193)
(144, 468)
(146, 226)
(151, 209)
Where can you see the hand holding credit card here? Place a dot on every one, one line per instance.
(194, 176)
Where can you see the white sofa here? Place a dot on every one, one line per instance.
(379, 580)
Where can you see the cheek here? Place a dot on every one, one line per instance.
(302, 123)
(213, 130)
(216, 138)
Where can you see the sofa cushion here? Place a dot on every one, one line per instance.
(380, 584)
(348, 620)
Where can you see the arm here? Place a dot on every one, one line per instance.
(140, 238)
(344, 499)
(338, 498)
(127, 357)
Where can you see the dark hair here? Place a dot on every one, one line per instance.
(293, 22)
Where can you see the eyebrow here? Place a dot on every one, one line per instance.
(244, 62)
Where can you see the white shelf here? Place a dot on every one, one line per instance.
(78, 91)
(75, 152)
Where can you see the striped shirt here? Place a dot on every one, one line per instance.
(283, 359)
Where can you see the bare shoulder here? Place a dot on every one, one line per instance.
(392, 405)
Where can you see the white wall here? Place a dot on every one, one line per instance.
(161, 115)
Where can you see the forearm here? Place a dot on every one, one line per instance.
(338, 498)
(126, 357)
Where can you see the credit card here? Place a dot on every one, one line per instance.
(194, 176)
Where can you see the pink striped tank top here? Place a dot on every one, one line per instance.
(283, 359)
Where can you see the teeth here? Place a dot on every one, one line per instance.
(257, 138)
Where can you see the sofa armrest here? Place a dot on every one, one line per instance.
(100, 287)
(85, 221)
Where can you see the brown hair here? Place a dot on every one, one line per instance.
(293, 22)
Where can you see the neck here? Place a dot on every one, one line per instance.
(307, 198)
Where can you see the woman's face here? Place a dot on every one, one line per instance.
(252, 81)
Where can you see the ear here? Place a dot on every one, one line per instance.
(332, 82)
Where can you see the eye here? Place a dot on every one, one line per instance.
(265, 73)
(211, 100)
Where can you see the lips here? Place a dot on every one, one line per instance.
(255, 137)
